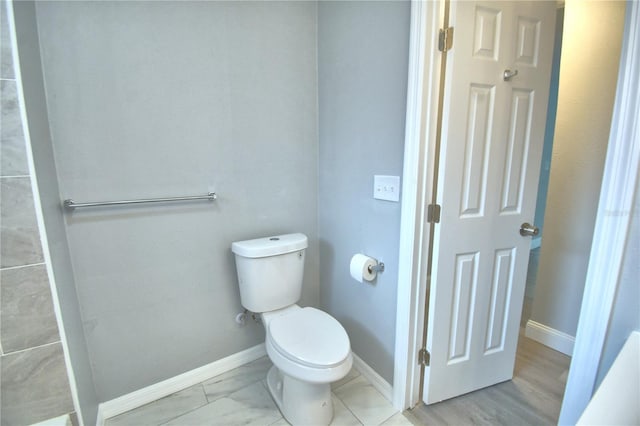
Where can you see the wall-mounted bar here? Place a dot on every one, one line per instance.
(69, 204)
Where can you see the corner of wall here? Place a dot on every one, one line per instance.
(48, 212)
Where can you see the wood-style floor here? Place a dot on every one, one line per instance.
(533, 397)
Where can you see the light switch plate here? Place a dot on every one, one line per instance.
(386, 188)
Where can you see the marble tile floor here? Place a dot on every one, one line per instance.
(240, 397)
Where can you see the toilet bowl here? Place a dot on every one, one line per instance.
(308, 344)
(309, 350)
(308, 347)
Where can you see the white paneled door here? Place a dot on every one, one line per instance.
(496, 93)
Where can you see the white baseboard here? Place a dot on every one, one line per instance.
(57, 421)
(170, 386)
(376, 380)
(548, 336)
(175, 384)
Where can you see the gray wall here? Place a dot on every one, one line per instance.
(625, 316)
(363, 59)
(34, 381)
(588, 75)
(167, 99)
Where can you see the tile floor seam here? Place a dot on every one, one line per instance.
(276, 421)
(188, 411)
(388, 418)
(365, 387)
(346, 383)
(352, 413)
(182, 414)
(347, 408)
(15, 176)
(208, 400)
(11, 268)
(229, 397)
(226, 395)
(31, 348)
(345, 404)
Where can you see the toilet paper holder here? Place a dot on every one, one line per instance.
(364, 268)
(378, 267)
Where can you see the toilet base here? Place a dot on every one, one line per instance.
(301, 403)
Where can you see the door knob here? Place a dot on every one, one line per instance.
(528, 230)
(509, 74)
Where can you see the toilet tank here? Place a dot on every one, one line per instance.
(270, 271)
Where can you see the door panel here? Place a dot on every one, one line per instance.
(500, 298)
(465, 283)
(490, 160)
(513, 179)
(479, 126)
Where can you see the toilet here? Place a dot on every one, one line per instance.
(309, 348)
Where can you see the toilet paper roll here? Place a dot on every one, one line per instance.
(359, 267)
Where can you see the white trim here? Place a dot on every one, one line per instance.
(100, 418)
(609, 237)
(617, 193)
(422, 101)
(376, 380)
(175, 384)
(615, 402)
(64, 420)
(39, 214)
(555, 339)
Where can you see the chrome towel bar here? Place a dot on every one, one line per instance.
(69, 204)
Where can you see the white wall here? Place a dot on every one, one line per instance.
(152, 99)
(363, 58)
(588, 74)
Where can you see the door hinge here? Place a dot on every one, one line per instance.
(424, 357)
(445, 39)
(433, 213)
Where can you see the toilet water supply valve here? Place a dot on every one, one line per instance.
(241, 318)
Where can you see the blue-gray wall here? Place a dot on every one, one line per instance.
(363, 58)
(153, 99)
(285, 109)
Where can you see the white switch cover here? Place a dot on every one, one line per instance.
(386, 188)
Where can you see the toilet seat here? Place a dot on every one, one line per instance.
(310, 337)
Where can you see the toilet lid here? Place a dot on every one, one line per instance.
(310, 337)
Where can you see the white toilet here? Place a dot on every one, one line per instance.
(308, 347)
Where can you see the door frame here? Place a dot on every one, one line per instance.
(417, 183)
(612, 221)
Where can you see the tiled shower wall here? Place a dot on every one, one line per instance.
(34, 383)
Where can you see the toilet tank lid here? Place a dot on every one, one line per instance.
(270, 246)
